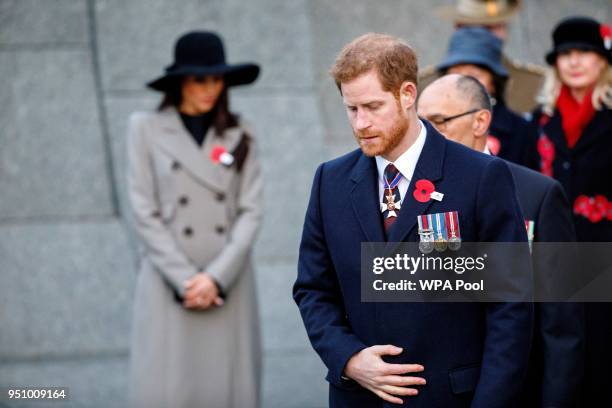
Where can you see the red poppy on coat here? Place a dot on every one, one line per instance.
(423, 189)
(600, 208)
(546, 149)
(493, 144)
(594, 209)
(216, 152)
(582, 205)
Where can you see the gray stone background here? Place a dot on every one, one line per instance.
(71, 71)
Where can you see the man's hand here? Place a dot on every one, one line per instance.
(385, 380)
(201, 292)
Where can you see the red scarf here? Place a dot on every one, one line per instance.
(574, 115)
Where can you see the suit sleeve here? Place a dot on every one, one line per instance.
(317, 294)
(509, 324)
(160, 247)
(561, 324)
(227, 266)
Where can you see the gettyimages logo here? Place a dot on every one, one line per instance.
(411, 265)
(486, 271)
(401, 272)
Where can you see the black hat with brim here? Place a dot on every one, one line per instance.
(233, 75)
(578, 33)
(201, 53)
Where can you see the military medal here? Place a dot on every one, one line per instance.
(440, 244)
(390, 205)
(426, 234)
(452, 222)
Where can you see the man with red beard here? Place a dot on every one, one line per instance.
(413, 354)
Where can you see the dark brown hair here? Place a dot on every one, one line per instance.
(394, 61)
(223, 120)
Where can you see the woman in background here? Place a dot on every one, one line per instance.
(574, 146)
(195, 186)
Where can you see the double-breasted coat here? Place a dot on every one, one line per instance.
(192, 215)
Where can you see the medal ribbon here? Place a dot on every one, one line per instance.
(394, 183)
(440, 226)
(423, 224)
(452, 222)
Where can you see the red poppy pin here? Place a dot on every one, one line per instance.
(493, 144)
(424, 190)
(600, 208)
(594, 209)
(218, 154)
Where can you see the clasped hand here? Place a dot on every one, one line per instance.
(201, 292)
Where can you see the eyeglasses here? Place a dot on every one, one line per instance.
(441, 120)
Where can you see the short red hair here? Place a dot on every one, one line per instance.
(393, 60)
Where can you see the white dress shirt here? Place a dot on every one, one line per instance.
(405, 163)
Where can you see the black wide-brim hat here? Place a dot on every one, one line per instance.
(580, 33)
(201, 53)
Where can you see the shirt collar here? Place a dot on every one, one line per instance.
(486, 150)
(407, 161)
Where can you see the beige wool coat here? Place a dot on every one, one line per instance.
(192, 215)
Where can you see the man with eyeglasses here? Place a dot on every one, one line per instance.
(459, 107)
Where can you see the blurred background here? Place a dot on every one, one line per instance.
(71, 71)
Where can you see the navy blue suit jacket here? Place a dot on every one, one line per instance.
(557, 356)
(475, 354)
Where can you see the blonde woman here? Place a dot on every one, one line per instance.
(195, 186)
(575, 123)
(574, 146)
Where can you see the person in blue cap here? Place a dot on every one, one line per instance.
(524, 79)
(476, 52)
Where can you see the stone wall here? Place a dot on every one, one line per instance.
(71, 71)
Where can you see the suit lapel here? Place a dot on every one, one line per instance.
(364, 198)
(429, 166)
(177, 142)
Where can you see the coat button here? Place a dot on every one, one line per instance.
(183, 200)
(176, 165)
(566, 165)
(220, 229)
(188, 231)
(220, 196)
